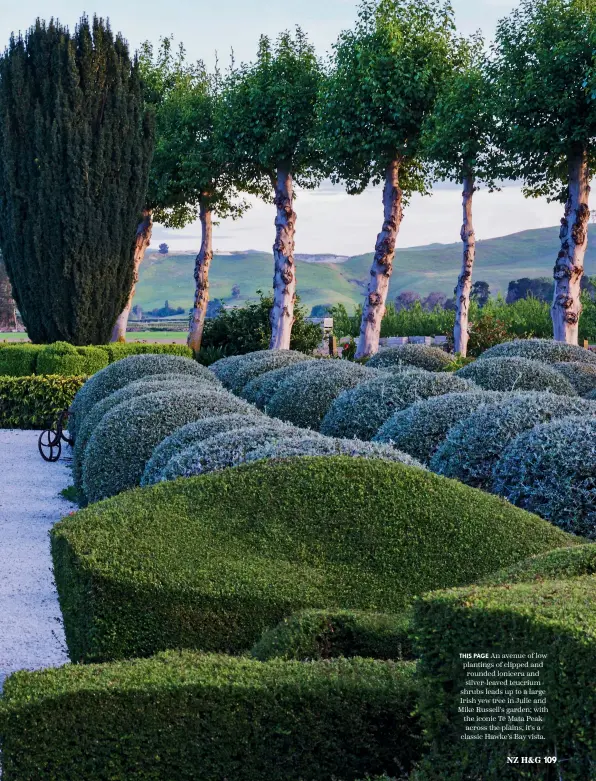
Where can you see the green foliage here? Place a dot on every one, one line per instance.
(248, 329)
(581, 375)
(404, 322)
(433, 359)
(119, 350)
(557, 617)
(211, 562)
(191, 716)
(18, 360)
(560, 564)
(543, 350)
(486, 330)
(550, 471)
(35, 402)
(516, 374)
(63, 358)
(361, 411)
(261, 390)
(326, 634)
(75, 146)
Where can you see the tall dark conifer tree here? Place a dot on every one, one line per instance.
(75, 148)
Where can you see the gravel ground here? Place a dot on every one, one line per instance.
(31, 634)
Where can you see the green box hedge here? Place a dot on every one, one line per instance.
(118, 350)
(18, 360)
(35, 402)
(211, 562)
(63, 358)
(187, 717)
(553, 617)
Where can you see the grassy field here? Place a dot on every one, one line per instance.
(169, 337)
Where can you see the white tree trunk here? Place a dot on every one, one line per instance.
(464, 282)
(382, 266)
(202, 265)
(284, 278)
(569, 267)
(142, 241)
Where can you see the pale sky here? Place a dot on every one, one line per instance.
(206, 27)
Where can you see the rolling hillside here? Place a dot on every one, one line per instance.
(423, 269)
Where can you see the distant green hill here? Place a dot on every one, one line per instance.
(422, 269)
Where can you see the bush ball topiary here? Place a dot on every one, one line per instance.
(305, 400)
(261, 390)
(125, 438)
(119, 374)
(190, 434)
(558, 564)
(543, 350)
(581, 375)
(473, 446)
(551, 471)
(432, 359)
(360, 412)
(252, 365)
(420, 428)
(516, 374)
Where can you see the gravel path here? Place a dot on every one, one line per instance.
(31, 634)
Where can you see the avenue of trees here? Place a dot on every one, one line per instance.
(96, 145)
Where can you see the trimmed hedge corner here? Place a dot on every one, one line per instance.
(516, 374)
(186, 716)
(558, 564)
(327, 634)
(35, 402)
(63, 358)
(211, 562)
(18, 360)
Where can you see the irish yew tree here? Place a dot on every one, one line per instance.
(543, 68)
(383, 81)
(75, 148)
(267, 122)
(458, 141)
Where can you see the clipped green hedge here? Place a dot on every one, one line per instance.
(35, 402)
(326, 634)
(558, 564)
(186, 716)
(557, 618)
(63, 358)
(119, 350)
(18, 360)
(211, 562)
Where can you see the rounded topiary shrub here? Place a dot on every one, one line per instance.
(252, 365)
(305, 399)
(119, 374)
(125, 438)
(551, 471)
(543, 350)
(223, 450)
(326, 634)
(516, 374)
(558, 564)
(360, 412)
(211, 562)
(261, 390)
(151, 384)
(424, 357)
(473, 446)
(191, 434)
(581, 375)
(420, 428)
(63, 358)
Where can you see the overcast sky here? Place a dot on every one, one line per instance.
(206, 27)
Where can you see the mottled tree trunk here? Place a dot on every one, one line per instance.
(464, 282)
(569, 267)
(202, 265)
(382, 266)
(284, 277)
(143, 240)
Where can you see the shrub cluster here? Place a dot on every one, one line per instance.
(35, 402)
(422, 356)
(420, 428)
(235, 374)
(18, 360)
(63, 358)
(326, 634)
(189, 716)
(261, 390)
(580, 374)
(361, 411)
(474, 445)
(119, 350)
(211, 562)
(558, 564)
(516, 374)
(551, 471)
(543, 350)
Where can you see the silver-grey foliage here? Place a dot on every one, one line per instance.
(423, 356)
(544, 350)
(261, 390)
(516, 374)
(581, 375)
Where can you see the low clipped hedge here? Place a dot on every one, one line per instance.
(423, 356)
(474, 445)
(543, 350)
(558, 564)
(35, 402)
(361, 411)
(119, 350)
(306, 401)
(124, 439)
(211, 562)
(516, 374)
(191, 434)
(261, 390)
(581, 375)
(63, 358)
(327, 634)
(18, 360)
(551, 471)
(251, 365)
(186, 716)
(420, 428)
(553, 617)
